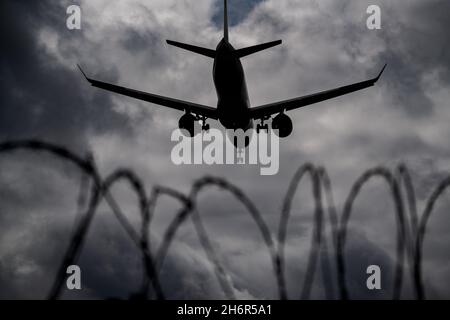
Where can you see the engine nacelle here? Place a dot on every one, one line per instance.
(283, 124)
(188, 123)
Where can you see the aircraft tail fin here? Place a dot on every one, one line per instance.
(199, 50)
(225, 21)
(254, 49)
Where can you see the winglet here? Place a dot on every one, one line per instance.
(379, 75)
(84, 74)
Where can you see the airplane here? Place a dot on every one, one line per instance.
(233, 109)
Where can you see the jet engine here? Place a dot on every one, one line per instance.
(189, 124)
(283, 124)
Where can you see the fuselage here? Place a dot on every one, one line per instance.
(233, 103)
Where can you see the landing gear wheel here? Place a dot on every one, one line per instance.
(260, 127)
(206, 127)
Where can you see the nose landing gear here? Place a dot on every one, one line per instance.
(205, 126)
(262, 125)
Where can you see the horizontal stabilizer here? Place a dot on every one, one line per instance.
(199, 50)
(254, 49)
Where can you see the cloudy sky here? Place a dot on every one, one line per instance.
(326, 44)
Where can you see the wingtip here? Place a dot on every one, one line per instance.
(82, 72)
(171, 42)
(381, 72)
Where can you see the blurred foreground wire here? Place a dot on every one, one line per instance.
(410, 228)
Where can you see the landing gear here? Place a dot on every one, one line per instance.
(205, 126)
(262, 125)
(190, 124)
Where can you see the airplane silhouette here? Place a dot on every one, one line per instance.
(233, 107)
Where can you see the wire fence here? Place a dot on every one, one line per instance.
(410, 226)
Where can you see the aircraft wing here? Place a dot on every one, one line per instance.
(180, 105)
(286, 105)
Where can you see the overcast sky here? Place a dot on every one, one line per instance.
(326, 44)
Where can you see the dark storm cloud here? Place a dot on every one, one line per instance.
(418, 46)
(40, 97)
(424, 48)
